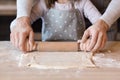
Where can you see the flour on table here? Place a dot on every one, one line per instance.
(57, 60)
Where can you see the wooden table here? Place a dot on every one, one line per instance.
(9, 70)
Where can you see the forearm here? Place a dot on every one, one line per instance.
(91, 12)
(24, 7)
(23, 10)
(35, 13)
(112, 13)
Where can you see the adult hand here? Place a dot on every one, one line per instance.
(97, 36)
(21, 32)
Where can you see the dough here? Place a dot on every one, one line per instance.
(57, 60)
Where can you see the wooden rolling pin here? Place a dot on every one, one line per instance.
(57, 47)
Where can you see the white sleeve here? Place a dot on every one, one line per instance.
(24, 7)
(36, 12)
(91, 12)
(112, 13)
(31, 8)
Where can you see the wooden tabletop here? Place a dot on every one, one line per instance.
(9, 69)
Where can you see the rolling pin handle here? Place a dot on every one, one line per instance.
(79, 41)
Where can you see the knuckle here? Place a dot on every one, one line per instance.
(86, 32)
(87, 49)
(24, 33)
(16, 33)
(101, 33)
(95, 31)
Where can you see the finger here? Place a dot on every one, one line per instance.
(84, 47)
(93, 41)
(104, 41)
(79, 41)
(81, 46)
(31, 40)
(99, 42)
(16, 41)
(85, 36)
(27, 46)
(22, 41)
(12, 38)
(88, 44)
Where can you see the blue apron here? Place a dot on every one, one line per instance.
(62, 25)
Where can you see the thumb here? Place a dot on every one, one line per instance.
(31, 40)
(31, 36)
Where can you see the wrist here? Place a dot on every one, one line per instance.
(25, 19)
(20, 21)
(103, 24)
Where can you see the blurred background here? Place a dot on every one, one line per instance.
(8, 13)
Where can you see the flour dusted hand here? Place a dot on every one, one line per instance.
(97, 35)
(21, 31)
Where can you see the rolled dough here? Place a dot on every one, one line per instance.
(57, 60)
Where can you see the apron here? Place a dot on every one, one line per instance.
(62, 25)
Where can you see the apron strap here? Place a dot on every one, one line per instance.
(72, 3)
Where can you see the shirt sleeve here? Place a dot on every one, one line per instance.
(31, 8)
(112, 13)
(24, 7)
(90, 11)
(34, 12)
